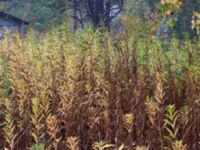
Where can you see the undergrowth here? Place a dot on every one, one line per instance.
(88, 91)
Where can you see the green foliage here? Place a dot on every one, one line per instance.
(101, 145)
(9, 125)
(138, 8)
(41, 13)
(37, 147)
(36, 120)
(171, 122)
(5, 83)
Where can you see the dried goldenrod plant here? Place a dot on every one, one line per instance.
(73, 143)
(36, 119)
(67, 91)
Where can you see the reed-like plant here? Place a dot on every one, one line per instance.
(73, 143)
(36, 120)
(9, 129)
(171, 126)
(60, 85)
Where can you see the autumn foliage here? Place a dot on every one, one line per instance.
(90, 92)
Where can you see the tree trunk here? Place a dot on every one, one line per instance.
(75, 13)
(96, 10)
(107, 15)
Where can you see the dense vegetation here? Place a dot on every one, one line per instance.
(130, 81)
(88, 91)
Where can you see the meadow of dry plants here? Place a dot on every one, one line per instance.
(86, 92)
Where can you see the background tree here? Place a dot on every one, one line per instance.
(98, 11)
(183, 24)
(44, 13)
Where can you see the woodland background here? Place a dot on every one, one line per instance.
(44, 13)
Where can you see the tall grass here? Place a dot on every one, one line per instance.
(87, 91)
